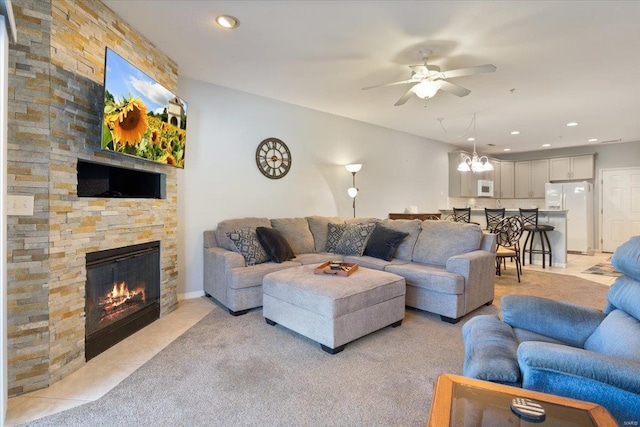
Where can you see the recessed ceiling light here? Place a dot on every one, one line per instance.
(227, 21)
(515, 132)
(593, 140)
(546, 145)
(471, 139)
(506, 149)
(572, 124)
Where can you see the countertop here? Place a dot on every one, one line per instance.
(481, 210)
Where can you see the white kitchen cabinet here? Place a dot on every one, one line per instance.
(574, 168)
(530, 178)
(496, 176)
(507, 180)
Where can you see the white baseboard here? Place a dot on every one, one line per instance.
(190, 295)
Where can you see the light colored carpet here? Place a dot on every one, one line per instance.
(232, 371)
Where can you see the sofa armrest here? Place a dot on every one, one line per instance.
(463, 264)
(230, 259)
(569, 323)
(478, 269)
(217, 263)
(580, 374)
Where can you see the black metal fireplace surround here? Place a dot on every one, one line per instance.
(122, 294)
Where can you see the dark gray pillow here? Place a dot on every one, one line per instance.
(354, 239)
(246, 242)
(274, 244)
(384, 242)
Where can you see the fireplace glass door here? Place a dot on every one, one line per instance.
(122, 291)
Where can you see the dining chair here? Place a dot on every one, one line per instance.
(508, 232)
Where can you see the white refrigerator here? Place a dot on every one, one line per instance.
(577, 199)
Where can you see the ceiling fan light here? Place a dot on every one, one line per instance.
(426, 88)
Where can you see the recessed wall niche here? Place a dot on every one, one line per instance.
(100, 180)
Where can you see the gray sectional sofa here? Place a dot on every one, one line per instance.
(449, 267)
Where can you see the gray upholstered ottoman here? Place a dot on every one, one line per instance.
(331, 309)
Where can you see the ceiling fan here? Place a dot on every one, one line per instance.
(426, 80)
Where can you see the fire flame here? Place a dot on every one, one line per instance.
(122, 291)
(121, 294)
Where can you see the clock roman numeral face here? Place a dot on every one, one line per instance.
(273, 158)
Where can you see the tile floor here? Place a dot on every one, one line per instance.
(105, 371)
(576, 264)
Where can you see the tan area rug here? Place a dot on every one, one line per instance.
(555, 286)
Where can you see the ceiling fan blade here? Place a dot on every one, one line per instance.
(390, 84)
(480, 69)
(404, 98)
(453, 88)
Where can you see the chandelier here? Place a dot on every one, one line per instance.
(474, 163)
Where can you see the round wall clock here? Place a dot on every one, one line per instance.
(273, 158)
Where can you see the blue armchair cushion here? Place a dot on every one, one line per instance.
(568, 323)
(626, 258)
(584, 375)
(618, 336)
(624, 294)
(490, 350)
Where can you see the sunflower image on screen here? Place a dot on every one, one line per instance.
(150, 124)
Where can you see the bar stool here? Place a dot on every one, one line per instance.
(531, 226)
(462, 214)
(493, 217)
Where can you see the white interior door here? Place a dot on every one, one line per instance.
(620, 206)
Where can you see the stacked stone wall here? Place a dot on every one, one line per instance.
(55, 102)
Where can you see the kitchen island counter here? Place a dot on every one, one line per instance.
(557, 237)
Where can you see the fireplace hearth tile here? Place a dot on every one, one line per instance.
(162, 332)
(90, 382)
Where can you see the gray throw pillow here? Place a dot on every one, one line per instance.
(246, 242)
(334, 233)
(354, 239)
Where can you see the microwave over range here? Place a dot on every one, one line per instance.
(485, 188)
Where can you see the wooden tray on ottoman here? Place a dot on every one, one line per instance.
(347, 269)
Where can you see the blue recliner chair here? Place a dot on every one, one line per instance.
(565, 349)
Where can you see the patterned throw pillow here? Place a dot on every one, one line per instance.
(334, 233)
(246, 242)
(354, 239)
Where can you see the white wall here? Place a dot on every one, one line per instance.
(221, 179)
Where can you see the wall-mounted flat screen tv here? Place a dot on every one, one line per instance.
(141, 117)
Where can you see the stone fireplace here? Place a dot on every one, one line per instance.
(55, 102)
(122, 294)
